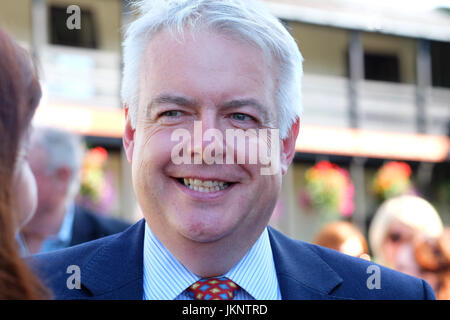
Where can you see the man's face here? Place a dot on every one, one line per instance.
(51, 189)
(205, 78)
(44, 180)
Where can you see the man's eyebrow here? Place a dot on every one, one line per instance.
(171, 99)
(247, 102)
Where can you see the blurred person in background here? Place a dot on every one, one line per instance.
(20, 93)
(55, 159)
(344, 237)
(397, 223)
(433, 259)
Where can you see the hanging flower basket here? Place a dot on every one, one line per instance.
(97, 191)
(392, 179)
(329, 190)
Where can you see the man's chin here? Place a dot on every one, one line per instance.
(205, 233)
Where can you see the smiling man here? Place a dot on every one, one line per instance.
(215, 67)
(200, 78)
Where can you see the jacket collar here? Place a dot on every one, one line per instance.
(115, 271)
(301, 272)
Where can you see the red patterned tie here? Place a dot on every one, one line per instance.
(213, 289)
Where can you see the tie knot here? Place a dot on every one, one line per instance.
(213, 289)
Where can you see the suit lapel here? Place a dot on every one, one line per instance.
(301, 273)
(116, 269)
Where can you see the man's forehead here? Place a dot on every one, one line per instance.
(167, 41)
(169, 69)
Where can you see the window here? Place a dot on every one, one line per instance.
(440, 64)
(85, 37)
(381, 67)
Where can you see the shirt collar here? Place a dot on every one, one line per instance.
(65, 232)
(64, 236)
(255, 272)
(165, 278)
(61, 240)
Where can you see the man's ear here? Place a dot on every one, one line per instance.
(128, 136)
(288, 146)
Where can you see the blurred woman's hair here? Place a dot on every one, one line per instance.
(335, 234)
(433, 256)
(412, 211)
(19, 96)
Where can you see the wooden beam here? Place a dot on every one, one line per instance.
(423, 63)
(356, 75)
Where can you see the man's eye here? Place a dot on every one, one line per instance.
(241, 117)
(172, 113)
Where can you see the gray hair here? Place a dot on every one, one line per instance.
(250, 20)
(63, 149)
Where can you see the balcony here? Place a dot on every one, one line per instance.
(382, 106)
(81, 76)
(81, 85)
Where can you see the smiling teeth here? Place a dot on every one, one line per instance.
(205, 186)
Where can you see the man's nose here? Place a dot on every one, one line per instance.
(208, 135)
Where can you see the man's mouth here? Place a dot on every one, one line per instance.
(204, 185)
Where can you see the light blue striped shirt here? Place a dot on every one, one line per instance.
(165, 278)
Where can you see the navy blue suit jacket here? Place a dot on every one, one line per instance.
(112, 268)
